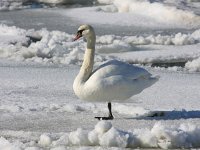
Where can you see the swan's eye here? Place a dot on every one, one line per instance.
(80, 32)
(78, 35)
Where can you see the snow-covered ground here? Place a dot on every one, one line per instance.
(39, 61)
(38, 100)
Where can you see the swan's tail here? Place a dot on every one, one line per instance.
(145, 82)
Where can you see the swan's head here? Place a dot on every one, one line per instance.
(85, 31)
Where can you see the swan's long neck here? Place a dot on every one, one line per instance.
(88, 62)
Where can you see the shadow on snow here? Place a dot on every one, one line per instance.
(170, 115)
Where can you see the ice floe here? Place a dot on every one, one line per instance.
(106, 135)
(43, 46)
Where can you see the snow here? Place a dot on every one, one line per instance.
(5, 144)
(54, 47)
(193, 65)
(177, 39)
(12, 35)
(105, 1)
(45, 140)
(12, 4)
(66, 1)
(157, 11)
(38, 107)
(102, 127)
(24, 4)
(55, 119)
(159, 136)
(144, 13)
(58, 47)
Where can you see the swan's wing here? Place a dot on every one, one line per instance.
(116, 80)
(116, 87)
(115, 67)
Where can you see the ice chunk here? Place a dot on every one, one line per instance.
(45, 140)
(79, 137)
(102, 126)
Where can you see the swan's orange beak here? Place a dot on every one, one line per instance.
(78, 35)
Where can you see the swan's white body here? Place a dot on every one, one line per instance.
(112, 81)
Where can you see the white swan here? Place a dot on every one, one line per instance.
(112, 81)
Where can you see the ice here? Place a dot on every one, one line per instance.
(102, 127)
(44, 92)
(184, 136)
(58, 48)
(12, 4)
(39, 109)
(22, 4)
(114, 138)
(45, 140)
(93, 137)
(54, 1)
(105, 1)
(159, 136)
(177, 39)
(59, 148)
(146, 139)
(72, 108)
(173, 4)
(12, 35)
(79, 137)
(63, 140)
(6, 145)
(157, 11)
(144, 13)
(54, 47)
(130, 110)
(196, 34)
(8, 108)
(193, 65)
(32, 148)
(66, 1)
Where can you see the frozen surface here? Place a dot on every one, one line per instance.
(58, 47)
(193, 65)
(56, 19)
(149, 14)
(11, 4)
(39, 61)
(39, 109)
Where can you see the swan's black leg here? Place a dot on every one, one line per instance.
(110, 116)
(110, 110)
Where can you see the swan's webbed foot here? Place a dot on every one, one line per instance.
(105, 118)
(110, 116)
